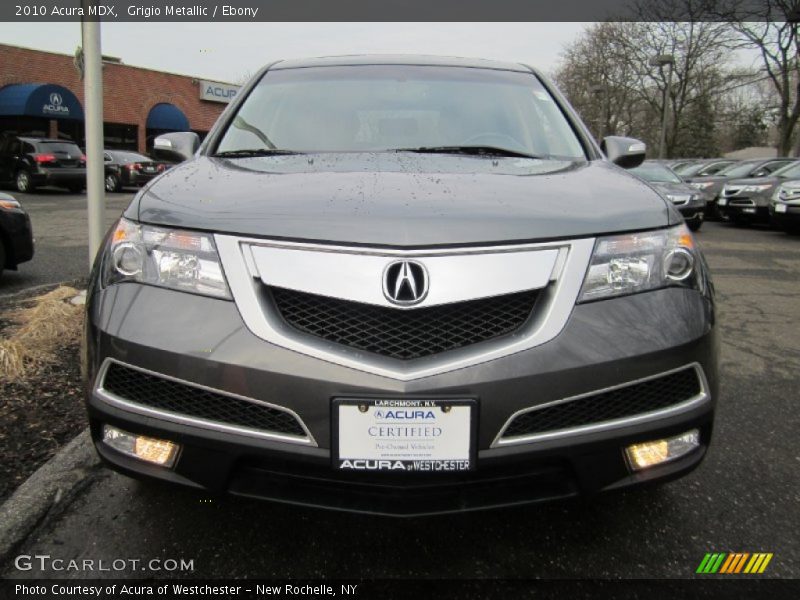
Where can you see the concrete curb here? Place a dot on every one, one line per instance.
(50, 488)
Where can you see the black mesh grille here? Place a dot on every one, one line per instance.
(404, 334)
(615, 404)
(163, 394)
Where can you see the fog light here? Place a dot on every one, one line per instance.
(648, 454)
(152, 450)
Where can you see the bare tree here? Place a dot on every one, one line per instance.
(771, 28)
(613, 60)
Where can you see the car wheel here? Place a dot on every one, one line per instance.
(23, 181)
(694, 224)
(112, 183)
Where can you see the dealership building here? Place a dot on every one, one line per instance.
(41, 94)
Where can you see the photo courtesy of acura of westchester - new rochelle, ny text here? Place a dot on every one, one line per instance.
(401, 285)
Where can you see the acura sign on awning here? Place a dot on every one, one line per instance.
(214, 91)
(39, 100)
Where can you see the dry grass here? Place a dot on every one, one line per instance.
(38, 332)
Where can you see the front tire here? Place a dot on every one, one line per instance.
(2, 258)
(694, 224)
(24, 182)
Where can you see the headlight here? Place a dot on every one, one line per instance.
(787, 193)
(756, 188)
(171, 258)
(702, 185)
(638, 262)
(679, 198)
(9, 203)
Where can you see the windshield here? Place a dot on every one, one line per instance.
(128, 157)
(690, 169)
(790, 171)
(390, 107)
(60, 147)
(656, 173)
(739, 169)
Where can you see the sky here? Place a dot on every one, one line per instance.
(232, 52)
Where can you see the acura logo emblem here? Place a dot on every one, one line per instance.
(55, 99)
(405, 282)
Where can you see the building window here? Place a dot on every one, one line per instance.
(118, 136)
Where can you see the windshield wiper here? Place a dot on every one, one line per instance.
(248, 152)
(472, 150)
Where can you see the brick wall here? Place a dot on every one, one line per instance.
(128, 92)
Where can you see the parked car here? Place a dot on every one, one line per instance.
(703, 167)
(401, 285)
(711, 185)
(124, 168)
(690, 202)
(784, 208)
(746, 201)
(29, 162)
(16, 234)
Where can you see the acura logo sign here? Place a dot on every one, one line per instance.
(405, 282)
(55, 99)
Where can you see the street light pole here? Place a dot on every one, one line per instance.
(599, 91)
(93, 98)
(660, 61)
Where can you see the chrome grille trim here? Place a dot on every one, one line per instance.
(675, 409)
(558, 299)
(130, 406)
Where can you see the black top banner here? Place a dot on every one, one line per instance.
(387, 10)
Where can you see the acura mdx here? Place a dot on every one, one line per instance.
(401, 285)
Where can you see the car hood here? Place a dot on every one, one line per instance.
(673, 188)
(401, 199)
(754, 181)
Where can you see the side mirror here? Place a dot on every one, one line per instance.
(623, 151)
(176, 147)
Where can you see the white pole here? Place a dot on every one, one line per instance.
(93, 97)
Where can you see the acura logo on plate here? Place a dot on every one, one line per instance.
(405, 282)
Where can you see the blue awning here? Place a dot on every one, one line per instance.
(167, 116)
(39, 100)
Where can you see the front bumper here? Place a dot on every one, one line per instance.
(157, 330)
(744, 208)
(787, 218)
(17, 234)
(692, 210)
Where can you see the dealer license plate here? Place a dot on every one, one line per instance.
(404, 435)
(780, 208)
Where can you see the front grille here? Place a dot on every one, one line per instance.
(742, 202)
(628, 401)
(188, 401)
(404, 334)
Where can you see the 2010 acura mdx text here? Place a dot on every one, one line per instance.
(401, 285)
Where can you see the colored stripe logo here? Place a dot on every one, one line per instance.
(731, 563)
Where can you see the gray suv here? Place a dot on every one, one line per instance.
(401, 285)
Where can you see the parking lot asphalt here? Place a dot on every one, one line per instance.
(60, 227)
(744, 498)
